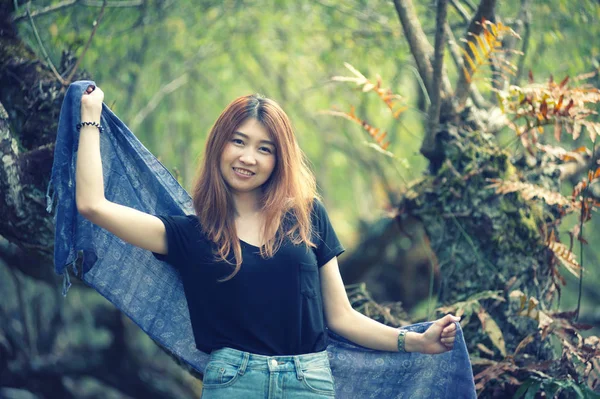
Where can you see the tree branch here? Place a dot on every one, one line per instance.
(114, 4)
(43, 49)
(470, 5)
(428, 147)
(45, 10)
(461, 10)
(419, 45)
(69, 3)
(524, 20)
(87, 45)
(485, 10)
(476, 96)
(157, 98)
(188, 65)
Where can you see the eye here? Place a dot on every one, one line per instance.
(266, 149)
(237, 141)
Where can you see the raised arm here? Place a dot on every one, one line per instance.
(137, 228)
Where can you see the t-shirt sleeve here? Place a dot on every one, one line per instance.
(180, 233)
(327, 242)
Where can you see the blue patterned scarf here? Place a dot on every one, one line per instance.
(151, 294)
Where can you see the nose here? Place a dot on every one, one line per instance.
(248, 158)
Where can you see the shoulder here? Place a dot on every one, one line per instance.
(185, 220)
(184, 228)
(318, 211)
(192, 220)
(317, 205)
(183, 223)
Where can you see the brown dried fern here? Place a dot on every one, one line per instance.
(551, 104)
(564, 255)
(377, 134)
(530, 191)
(592, 177)
(564, 155)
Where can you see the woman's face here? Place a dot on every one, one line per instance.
(248, 158)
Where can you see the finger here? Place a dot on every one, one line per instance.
(446, 332)
(99, 93)
(90, 89)
(448, 319)
(450, 328)
(447, 341)
(449, 334)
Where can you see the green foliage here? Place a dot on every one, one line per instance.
(552, 388)
(169, 68)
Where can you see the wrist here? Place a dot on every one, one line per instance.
(85, 125)
(413, 342)
(90, 117)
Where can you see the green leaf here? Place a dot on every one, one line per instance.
(522, 389)
(590, 394)
(577, 390)
(533, 390)
(552, 390)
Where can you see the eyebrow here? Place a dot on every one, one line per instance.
(247, 137)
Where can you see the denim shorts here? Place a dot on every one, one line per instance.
(233, 374)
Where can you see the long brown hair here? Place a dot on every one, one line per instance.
(288, 194)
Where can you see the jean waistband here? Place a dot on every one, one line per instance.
(247, 360)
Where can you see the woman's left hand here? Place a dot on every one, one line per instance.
(440, 336)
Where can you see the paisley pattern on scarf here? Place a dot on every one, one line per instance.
(150, 291)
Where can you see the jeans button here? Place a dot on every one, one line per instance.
(273, 362)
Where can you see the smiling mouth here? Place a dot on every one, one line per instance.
(243, 172)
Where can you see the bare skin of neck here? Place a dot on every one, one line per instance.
(249, 220)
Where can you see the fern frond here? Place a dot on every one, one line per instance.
(565, 155)
(592, 177)
(552, 104)
(593, 129)
(566, 257)
(377, 134)
(358, 78)
(480, 49)
(386, 95)
(530, 191)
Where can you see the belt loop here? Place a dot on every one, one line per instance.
(244, 364)
(298, 366)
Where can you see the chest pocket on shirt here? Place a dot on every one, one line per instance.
(309, 279)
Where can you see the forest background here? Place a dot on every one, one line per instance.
(168, 68)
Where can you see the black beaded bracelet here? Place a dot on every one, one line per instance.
(99, 126)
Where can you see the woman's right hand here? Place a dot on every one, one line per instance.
(91, 104)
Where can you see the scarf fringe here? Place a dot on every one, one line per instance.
(66, 282)
(66, 279)
(50, 197)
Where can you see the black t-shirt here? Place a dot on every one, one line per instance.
(270, 307)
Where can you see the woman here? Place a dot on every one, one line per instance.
(258, 261)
